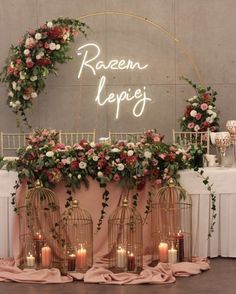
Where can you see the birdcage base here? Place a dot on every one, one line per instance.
(61, 265)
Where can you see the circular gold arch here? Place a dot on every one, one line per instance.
(158, 26)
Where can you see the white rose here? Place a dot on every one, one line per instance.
(49, 24)
(195, 104)
(120, 166)
(214, 114)
(22, 75)
(82, 165)
(17, 103)
(79, 177)
(147, 154)
(26, 52)
(33, 78)
(26, 97)
(10, 94)
(38, 36)
(34, 95)
(210, 119)
(38, 56)
(209, 112)
(100, 174)
(11, 104)
(196, 128)
(52, 46)
(115, 150)
(183, 118)
(130, 145)
(210, 106)
(18, 88)
(193, 113)
(95, 158)
(92, 144)
(29, 147)
(50, 154)
(130, 152)
(58, 46)
(13, 85)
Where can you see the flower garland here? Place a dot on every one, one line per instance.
(200, 113)
(31, 61)
(131, 165)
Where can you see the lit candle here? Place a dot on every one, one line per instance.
(30, 260)
(172, 255)
(131, 262)
(121, 257)
(81, 258)
(179, 244)
(163, 252)
(38, 240)
(71, 262)
(46, 256)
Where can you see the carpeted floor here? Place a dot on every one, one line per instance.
(220, 279)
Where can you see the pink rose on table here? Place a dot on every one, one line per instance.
(204, 106)
(190, 125)
(198, 116)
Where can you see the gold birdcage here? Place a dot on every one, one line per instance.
(125, 239)
(77, 229)
(172, 224)
(43, 215)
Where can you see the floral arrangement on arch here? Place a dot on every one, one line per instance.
(200, 113)
(34, 58)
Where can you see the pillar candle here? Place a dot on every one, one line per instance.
(163, 252)
(172, 255)
(81, 258)
(38, 241)
(46, 256)
(131, 262)
(30, 259)
(71, 262)
(179, 244)
(121, 259)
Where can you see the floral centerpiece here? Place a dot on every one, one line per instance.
(200, 113)
(34, 58)
(130, 164)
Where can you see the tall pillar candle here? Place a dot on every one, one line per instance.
(163, 252)
(71, 262)
(81, 258)
(121, 259)
(46, 256)
(38, 241)
(179, 244)
(131, 262)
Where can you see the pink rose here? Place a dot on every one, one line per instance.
(190, 125)
(116, 177)
(204, 106)
(198, 116)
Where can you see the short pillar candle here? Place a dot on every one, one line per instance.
(30, 259)
(172, 255)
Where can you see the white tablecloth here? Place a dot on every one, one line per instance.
(223, 241)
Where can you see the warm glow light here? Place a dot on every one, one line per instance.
(138, 96)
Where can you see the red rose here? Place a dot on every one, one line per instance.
(74, 165)
(29, 64)
(55, 33)
(43, 62)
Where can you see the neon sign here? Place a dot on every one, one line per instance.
(93, 64)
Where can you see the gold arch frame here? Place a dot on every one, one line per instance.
(156, 25)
